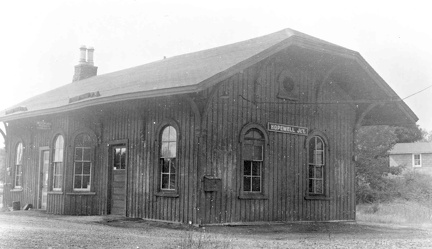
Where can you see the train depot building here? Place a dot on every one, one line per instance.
(256, 131)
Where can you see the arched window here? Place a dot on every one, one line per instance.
(57, 170)
(167, 158)
(83, 161)
(18, 166)
(316, 166)
(253, 161)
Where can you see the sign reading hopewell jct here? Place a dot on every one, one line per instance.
(291, 129)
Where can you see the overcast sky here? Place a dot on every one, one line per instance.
(40, 39)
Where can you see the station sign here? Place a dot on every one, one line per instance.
(290, 129)
(43, 125)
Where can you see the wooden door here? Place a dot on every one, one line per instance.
(43, 179)
(118, 179)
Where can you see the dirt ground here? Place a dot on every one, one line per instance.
(35, 229)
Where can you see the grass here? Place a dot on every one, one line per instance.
(397, 212)
(201, 239)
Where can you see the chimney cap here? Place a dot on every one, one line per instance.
(90, 48)
(83, 46)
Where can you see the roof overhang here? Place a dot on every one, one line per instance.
(397, 106)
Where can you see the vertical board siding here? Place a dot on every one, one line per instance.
(32, 139)
(285, 183)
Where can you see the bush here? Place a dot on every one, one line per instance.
(399, 211)
(409, 186)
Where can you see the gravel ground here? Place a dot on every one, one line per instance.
(35, 229)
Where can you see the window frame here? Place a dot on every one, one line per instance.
(419, 160)
(325, 195)
(159, 191)
(16, 164)
(53, 163)
(91, 149)
(243, 141)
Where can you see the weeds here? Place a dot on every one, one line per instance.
(201, 239)
(397, 212)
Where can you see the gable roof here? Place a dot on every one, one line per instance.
(186, 73)
(411, 148)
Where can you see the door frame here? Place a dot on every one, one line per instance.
(111, 145)
(40, 175)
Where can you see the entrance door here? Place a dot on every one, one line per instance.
(118, 167)
(43, 179)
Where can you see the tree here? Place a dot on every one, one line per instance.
(427, 135)
(372, 166)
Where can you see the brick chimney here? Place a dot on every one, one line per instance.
(85, 68)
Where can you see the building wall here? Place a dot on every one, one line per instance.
(253, 99)
(407, 161)
(32, 139)
(135, 122)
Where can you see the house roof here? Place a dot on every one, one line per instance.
(186, 73)
(411, 148)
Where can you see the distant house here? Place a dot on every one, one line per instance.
(259, 130)
(417, 156)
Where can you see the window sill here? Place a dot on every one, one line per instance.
(317, 197)
(167, 194)
(55, 193)
(252, 196)
(81, 193)
(16, 190)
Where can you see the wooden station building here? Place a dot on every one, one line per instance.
(259, 130)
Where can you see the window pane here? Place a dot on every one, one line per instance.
(165, 134)
(165, 181)
(18, 180)
(172, 134)
(172, 181)
(86, 182)
(311, 186)
(19, 153)
(173, 166)
(78, 153)
(77, 183)
(58, 151)
(168, 150)
(78, 168)
(123, 158)
(248, 152)
(319, 144)
(86, 168)
(311, 171)
(254, 134)
(247, 171)
(247, 183)
(319, 157)
(311, 150)
(117, 156)
(256, 168)
(257, 153)
(87, 154)
(164, 163)
(83, 140)
(58, 168)
(256, 184)
(86, 140)
(318, 172)
(56, 182)
(319, 186)
(172, 146)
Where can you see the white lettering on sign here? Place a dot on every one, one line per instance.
(291, 129)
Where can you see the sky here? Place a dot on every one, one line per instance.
(41, 39)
